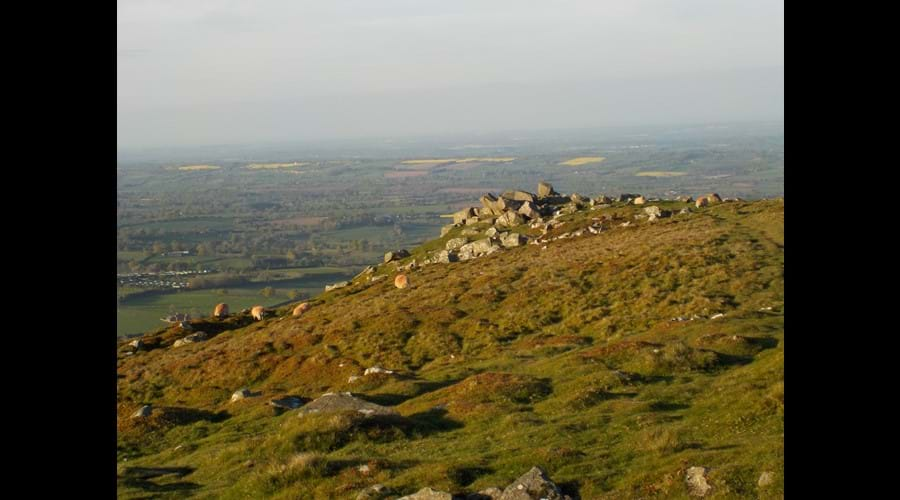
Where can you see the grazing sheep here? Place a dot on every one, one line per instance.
(300, 309)
(702, 201)
(258, 312)
(401, 281)
(220, 311)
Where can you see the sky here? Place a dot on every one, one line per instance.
(204, 72)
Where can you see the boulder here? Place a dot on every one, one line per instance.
(545, 189)
(446, 257)
(401, 281)
(491, 232)
(143, 411)
(640, 200)
(428, 494)
(701, 202)
(395, 255)
(512, 239)
(696, 481)
(374, 492)
(519, 196)
(462, 215)
(344, 401)
(533, 485)
(529, 210)
(288, 403)
(241, 394)
(455, 243)
(300, 309)
(509, 219)
(335, 286)
(190, 339)
(492, 493)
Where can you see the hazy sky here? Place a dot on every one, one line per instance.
(197, 72)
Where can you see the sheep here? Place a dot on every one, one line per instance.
(220, 311)
(258, 312)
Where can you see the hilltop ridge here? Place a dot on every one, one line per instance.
(619, 344)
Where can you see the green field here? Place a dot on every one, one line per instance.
(141, 314)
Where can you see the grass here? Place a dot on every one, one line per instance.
(566, 358)
(582, 160)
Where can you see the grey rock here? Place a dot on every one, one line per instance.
(339, 284)
(491, 232)
(533, 485)
(696, 481)
(627, 197)
(428, 494)
(455, 243)
(462, 215)
(344, 401)
(446, 257)
(529, 210)
(545, 189)
(601, 200)
(374, 492)
(509, 219)
(519, 196)
(512, 240)
(144, 411)
(765, 479)
(190, 339)
(395, 255)
(492, 493)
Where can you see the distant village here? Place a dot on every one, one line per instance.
(162, 279)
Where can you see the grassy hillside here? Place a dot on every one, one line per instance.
(599, 358)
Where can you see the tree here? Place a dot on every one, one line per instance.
(267, 292)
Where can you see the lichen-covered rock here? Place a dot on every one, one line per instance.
(344, 401)
(455, 243)
(512, 239)
(428, 494)
(395, 255)
(462, 215)
(533, 485)
(545, 189)
(509, 219)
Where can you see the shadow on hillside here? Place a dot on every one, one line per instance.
(422, 387)
(140, 478)
(570, 488)
(433, 421)
(666, 406)
(464, 476)
(185, 416)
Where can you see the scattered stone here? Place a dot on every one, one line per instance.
(241, 394)
(374, 492)
(492, 493)
(529, 210)
(512, 239)
(344, 401)
(765, 479)
(376, 369)
(696, 481)
(532, 485)
(339, 284)
(455, 243)
(509, 219)
(519, 196)
(446, 257)
(395, 255)
(190, 339)
(462, 215)
(472, 220)
(469, 232)
(401, 281)
(545, 189)
(288, 403)
(428, 494)
(144, 411)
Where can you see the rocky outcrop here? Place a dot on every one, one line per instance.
(455, 243)
(461, 216)
(344, 401)
(512, 239)
(627, 197)
(428, 494)
(335, 286)
(509, 219)
(545, 189)
(528, 209)
(533, 485)
(190, 339)
(519, 196)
